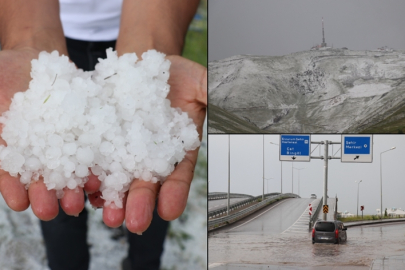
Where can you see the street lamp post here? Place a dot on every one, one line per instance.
(281, 170)
(263, 170)
(229, 174)
(358, 184)
(392, 148)
(299, 169)
(292, 177)
(267, 179)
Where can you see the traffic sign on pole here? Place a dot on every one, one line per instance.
(326, 209)
(295, 147)
(310, 210)
(357, 148)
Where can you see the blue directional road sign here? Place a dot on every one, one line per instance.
(295, 147)
(357, 148)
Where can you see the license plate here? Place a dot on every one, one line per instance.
(324, 238)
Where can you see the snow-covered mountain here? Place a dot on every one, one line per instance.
(331, 91)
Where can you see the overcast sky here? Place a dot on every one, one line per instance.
(247, 171)
(279, 27)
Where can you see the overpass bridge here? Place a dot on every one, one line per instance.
(277, 237)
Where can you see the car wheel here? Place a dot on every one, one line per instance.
(313, 242)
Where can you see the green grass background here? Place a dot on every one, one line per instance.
(195, 47)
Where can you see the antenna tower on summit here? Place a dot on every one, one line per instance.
(323, 36)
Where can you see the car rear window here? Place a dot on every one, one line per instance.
(325, 226)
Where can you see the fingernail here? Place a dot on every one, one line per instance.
(139, 233)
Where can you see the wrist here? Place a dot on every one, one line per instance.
(37, 39)
(143, 41)
(31, 24)
(159, 25)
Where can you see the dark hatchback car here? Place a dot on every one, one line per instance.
(329, 232)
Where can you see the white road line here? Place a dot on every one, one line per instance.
(295, 222)
(258, 215)
(212, 265)
(299, 220)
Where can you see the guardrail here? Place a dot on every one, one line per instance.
(222, 221)
(224, 195)
(315, 215)
(236, 205)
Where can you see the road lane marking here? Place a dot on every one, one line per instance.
(257, 216)
(299, 227)
(212, 265)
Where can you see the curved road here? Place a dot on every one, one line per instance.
(276, 219)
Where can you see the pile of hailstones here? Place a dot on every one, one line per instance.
(115, 121)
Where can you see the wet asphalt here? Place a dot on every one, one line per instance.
(265, 242)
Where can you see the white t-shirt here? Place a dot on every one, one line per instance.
(91, 20)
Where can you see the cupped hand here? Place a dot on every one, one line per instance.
(188, 91)
(15, 66)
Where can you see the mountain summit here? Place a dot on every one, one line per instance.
(318, 91)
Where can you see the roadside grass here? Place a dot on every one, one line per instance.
(365, 217)
(227, 122)
(395, 123)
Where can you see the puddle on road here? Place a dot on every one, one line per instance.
(363, 246)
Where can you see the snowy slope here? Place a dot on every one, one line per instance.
(332, 90)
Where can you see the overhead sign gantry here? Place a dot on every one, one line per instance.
(354, 148)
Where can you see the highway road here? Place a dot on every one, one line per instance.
(276, 219)
(278, 238)
(215, 204)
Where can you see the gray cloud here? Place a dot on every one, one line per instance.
(279, 27)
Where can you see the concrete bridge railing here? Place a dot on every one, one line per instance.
(222, 210)
(224, 195)
(222, 221)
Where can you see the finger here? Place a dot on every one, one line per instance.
(72, 201)
(113, 216)
(93, 184)
(174, 191)
(95, 199)
(44, 203)
(14, 193)
(140, 204)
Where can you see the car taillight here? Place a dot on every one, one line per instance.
(313, 233)
(337, 234)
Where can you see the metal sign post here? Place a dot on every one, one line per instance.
(325, 157)
(325, 181)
